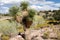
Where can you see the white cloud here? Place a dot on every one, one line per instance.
(4, 9)
(35, 4)
(10, 1)
(47, 7)
(1, 4)
(36, 1)
(43, 2)
(44, 7)
(57, 4)
(35, 7)
(48, 2)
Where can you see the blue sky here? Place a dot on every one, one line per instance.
(35, 4)
(57, 1)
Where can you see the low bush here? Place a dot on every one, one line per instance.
(38, 22)
(5, 37)
(8, 28)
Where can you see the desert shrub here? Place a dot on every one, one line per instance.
(8, 28)
(58, 36)
(38, 22)
(39, 19)
(20, 27)
(46, 35)
(5, 37)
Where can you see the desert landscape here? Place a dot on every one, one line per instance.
(23, 22)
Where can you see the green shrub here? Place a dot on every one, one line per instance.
(58, 36)
(38, 22)
(20, 28)
(46, 35)
(5, 37)
(8, 28)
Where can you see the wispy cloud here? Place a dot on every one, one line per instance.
(44, 5)
(35, 4)
(4, 9)
(57, 4)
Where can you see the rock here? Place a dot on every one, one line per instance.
(49, 39)
(33, 35)
(37, 38)
(27, 34)
(36, 34)
(53, 35)
(18, 37)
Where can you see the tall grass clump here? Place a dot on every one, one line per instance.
(8, 28)
(38, 22)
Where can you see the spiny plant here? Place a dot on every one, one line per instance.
(24, 5)
(31, 13)
(13, 10)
